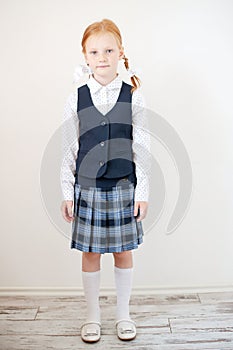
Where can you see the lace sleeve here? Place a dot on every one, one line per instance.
(70, 136)
(141, 146)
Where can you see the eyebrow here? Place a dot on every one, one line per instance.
(108, 47)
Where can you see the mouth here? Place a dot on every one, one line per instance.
(106, 66)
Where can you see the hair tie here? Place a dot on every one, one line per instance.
(80, 71)
(132, 72)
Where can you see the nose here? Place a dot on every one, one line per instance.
(102, 57)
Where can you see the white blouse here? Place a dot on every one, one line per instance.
(104, 98)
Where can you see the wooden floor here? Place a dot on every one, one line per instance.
(185, 321)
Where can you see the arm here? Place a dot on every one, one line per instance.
(141, 153)
(70, 134)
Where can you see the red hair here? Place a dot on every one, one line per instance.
(107, 26)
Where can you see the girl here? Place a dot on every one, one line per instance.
(104, 187)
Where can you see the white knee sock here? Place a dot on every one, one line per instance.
(123, 280)
(91, 285)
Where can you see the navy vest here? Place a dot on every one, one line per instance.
(105, 141)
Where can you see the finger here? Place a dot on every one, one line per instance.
(70, 214)
(139, 218)
(66, 210)
(66, 216)
(63, 210)
(69, 211)
(136, 205)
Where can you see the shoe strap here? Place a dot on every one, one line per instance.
(126, 320)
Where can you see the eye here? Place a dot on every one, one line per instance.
(109, 50)
(93, 52)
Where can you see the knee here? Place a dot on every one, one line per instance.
(122, 256)
(91, 257)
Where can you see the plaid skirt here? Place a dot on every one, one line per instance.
(104, 219)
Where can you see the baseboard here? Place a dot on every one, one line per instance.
(142, 290)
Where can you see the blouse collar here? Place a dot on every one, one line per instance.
(95, 86)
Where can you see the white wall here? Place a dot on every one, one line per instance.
(185, 53)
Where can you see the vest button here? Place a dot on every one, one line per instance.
(103, 123)
(101, 163)
(102, 143)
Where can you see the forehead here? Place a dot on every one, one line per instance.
(101, 40)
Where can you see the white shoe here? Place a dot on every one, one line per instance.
(126, 329)
(90, 332)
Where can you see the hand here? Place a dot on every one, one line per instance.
(67, 212)
(142, 206)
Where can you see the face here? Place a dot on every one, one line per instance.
(102, 55)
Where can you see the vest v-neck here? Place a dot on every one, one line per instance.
(111, 110)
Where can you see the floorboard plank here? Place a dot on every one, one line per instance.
(165, 311)
(17, 313)
(214, 297)
(204, 324)
(72, 327)
(110, 342)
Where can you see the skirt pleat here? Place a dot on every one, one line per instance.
(104, 219)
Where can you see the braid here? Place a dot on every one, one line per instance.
(134, 79)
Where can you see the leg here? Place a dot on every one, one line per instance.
(124, 260)
(91, 284)
(123, 278)
(90, 262)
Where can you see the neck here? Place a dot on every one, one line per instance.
(104, 80)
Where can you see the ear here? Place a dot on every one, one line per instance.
(121, 54)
